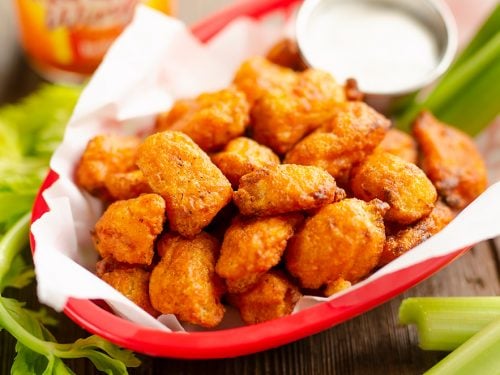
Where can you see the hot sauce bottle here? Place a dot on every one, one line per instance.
(65, 40)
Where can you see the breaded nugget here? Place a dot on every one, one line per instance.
(451, 160)
(258, 75)
(251, 247)
(127, 229)
(133, 283)
(194, 189)
(352, 91)
(352, 133)
(336, 286)
(104, 155)
(343, 240)
(211, 120)
(400, 144)
(241, 156)
(403, 185)
(285, 188)
(286, 53)
(407, 238)
(273, 297)
(184, 283)
(282, 118)
(126, 185)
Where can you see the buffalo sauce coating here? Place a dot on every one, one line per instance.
(184, 282)
(210, 120)
(404, 186)
(285, 188)
(451, 160)
(194, 189)
(252, 246)
(343, 240)
(128, 229)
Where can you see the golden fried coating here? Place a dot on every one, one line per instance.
(403, 185)
(273, 297)
(104, 155)
(257, 76)
(407, 238)
(352, 91)
(336, 286)
(127, 229)
(286, 53)
(352, 133)
(133, 283)
(285, 188)
(451, 160)
(241, 156)
(194, 189)
(400, 144)
(184, 283)
(342, 240)
(282, 118)
(251, 247)
(126, 185)
(211, 120)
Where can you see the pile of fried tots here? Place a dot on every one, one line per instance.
(284, 183)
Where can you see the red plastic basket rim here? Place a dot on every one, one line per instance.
(247, 339)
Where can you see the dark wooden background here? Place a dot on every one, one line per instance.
(372, 343)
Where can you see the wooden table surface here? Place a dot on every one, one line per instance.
(372, 343)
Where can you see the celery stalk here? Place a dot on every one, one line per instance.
(446, 323)
(480, 90)
(478, 355)
(487, 31)
(467, 95)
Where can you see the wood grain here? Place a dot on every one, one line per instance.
(371, 343)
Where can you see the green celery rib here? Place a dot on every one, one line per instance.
(469, 70)
(475, 71)
(462, 110)
(444, 323)
(11, 243)
(478, 355)
(487, 31)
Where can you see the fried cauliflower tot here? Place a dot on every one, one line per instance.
(352, 92)
(211, 120)
(343, 240)
(285, 188)
(400, 144)
(286, 53)
(105, 155)
(251, 247)
(407, 238)
(273, 297)
(241, 156)
(184, 283)
(127, 229)
(336, 286)
(126, 185)
(451, 160)
(257, 76)
(404, 186)
(282, 118)
(194, 189)
(352, 133)
(133, 283)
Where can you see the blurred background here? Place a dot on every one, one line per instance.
(468, 13)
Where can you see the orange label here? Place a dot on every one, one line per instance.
(72, 35)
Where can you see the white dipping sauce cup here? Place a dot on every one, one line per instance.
(393, 48)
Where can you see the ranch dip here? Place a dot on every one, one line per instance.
(384, 47)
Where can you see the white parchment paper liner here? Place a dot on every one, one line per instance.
(154, 62)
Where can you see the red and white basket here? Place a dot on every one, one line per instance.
(95, 317)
